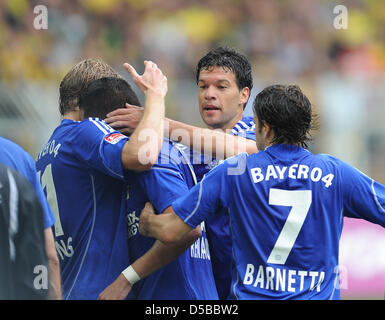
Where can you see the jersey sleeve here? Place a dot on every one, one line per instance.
(99, 146)
(363, 197)
(32, 177)
(164, 183)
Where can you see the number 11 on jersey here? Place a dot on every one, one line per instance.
(48, 184)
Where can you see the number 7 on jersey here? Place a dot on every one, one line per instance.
(300, 201)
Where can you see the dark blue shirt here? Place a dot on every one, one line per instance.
(190, 276)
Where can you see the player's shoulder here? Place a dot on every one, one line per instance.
(12, 146)
(328, 160)
(340, 165)
(95, 124)
(14, 153)
(247, 123)
(236, 161)
(173, 153)
(13, 176)
(170, 158)
(244, 127)
(95, 128)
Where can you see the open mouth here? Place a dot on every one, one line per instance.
(210, 108)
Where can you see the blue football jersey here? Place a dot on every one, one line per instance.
(286, 208)
(218, 225)
(82, 175)
(17, 158)
(189, 277)
(203, 163)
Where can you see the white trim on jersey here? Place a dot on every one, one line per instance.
(376, 199)
(239, 129)
(198, 202)
(233, 256)
(180, 147)
(246, 127)
(89, 239)
(336, 283)
(169, 170)
(105, 128)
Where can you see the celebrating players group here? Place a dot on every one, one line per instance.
(145, 207)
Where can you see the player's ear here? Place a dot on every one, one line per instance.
(244, 95)
(268, 131)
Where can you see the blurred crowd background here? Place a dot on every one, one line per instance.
(341, 70)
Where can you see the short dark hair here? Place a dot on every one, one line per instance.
(288, 112)
(228, 58)
(105, 95)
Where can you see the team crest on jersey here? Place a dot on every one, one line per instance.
(114, 138)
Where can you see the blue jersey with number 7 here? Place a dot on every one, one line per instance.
(286, 208)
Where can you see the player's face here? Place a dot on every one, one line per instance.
(220, 100)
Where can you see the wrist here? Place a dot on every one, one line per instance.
(155, 94)
(131, 276)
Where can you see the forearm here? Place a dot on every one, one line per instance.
(142, 150)
(161, 255)
(54, 291)
(214, 143)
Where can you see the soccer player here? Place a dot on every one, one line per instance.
(286, 209)
(190, 275)
(22, 243)
(15, 157)
(81, 169)
(224, 79)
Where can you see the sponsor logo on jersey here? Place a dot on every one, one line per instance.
(114, 138)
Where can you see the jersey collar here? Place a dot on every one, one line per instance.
(286, 151)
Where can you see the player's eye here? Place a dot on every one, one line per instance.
(203, 86)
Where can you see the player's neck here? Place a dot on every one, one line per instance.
(73, 115)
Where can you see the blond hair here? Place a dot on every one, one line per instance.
(78, 78)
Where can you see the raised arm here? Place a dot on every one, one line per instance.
(141, 151)
(215, 143)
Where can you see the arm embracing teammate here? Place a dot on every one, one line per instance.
(81, 170)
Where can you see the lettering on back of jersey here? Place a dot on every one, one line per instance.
(295, 171)
(64, 248)
(282, 279)
(51, 148)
